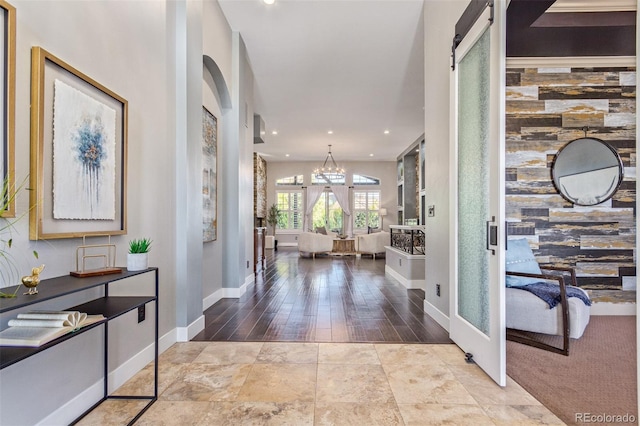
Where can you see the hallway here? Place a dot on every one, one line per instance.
(326, 299)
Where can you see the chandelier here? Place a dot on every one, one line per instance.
(329, 169)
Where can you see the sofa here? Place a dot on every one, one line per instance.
(372, 243)
(312, 243)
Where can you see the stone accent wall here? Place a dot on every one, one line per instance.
(547, 108)
(259, 186)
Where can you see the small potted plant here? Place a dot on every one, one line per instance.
(138, 256)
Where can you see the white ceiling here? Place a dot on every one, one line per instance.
(351, 66)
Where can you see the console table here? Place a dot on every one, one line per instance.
(109, 306)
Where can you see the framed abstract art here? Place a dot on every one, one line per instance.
(209, 176)
(78, 153)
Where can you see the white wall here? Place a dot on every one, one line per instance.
(125, 49)
(440, 17)
(384, 170)
(150, 53)
(217, 44)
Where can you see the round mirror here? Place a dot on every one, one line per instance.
(587, 171)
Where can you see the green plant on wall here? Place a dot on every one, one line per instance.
(272, 217)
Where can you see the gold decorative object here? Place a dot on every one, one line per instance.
(32, 281)
(106, 253)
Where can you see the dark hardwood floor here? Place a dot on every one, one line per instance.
(326, 299)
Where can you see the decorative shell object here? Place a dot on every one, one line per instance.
(32, 281)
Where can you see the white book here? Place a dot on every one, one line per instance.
(36, 328)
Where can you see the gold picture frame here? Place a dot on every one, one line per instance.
(78, 176)
(7, 108)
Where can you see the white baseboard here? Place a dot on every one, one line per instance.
(72, 409)
(436, 314)
(235, 293)
(404, 281)
(227, 293)
(604, 308)
(248, 280)
(184, 334)
(212, 299)
(294, 244)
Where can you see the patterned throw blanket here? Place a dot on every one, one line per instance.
(550, 293)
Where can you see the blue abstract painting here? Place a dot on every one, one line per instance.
(84, 157)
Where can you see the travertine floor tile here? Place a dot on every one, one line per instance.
(113, 412)
(449, 354)
(142, 383)
(487, 392)
(259, 414)
(170, 413)
(407, 355)
(182, 352)
(420, 383)
(507, 415)
(294, 353)
(353, 383)
(357, 414)
(207, 382)
(444, 414)
(280, 383)
(350, 353)
(229, 353)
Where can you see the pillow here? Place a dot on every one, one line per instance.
(321, 230)
(520, 258)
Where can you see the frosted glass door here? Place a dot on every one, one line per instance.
(473, 184)
(477, 305)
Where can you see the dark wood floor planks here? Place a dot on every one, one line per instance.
(326, 299)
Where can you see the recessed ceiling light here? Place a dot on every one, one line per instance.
(269, 1)
(370, 155)
(286, 155)
(330, 132)
(275, 132)
(386, 132)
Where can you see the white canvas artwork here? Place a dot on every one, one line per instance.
(84, 157)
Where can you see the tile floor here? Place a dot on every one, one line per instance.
(277, 383)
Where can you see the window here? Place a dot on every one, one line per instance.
(290, 204)
(328, 213)
(327, 179)
(290, 180)
(366, 206)
(365, 180)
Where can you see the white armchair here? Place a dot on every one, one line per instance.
(372, 243)
(310, 242)
(530, 294)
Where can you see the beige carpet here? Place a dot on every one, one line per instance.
(598, 378)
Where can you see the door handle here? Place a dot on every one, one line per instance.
(492, 235)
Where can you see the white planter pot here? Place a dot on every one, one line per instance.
(137, 261)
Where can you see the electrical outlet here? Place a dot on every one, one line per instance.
(141, 313)
(438, 290)
(431, 211)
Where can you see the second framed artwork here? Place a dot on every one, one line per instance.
(78, 153)
(209, 176)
